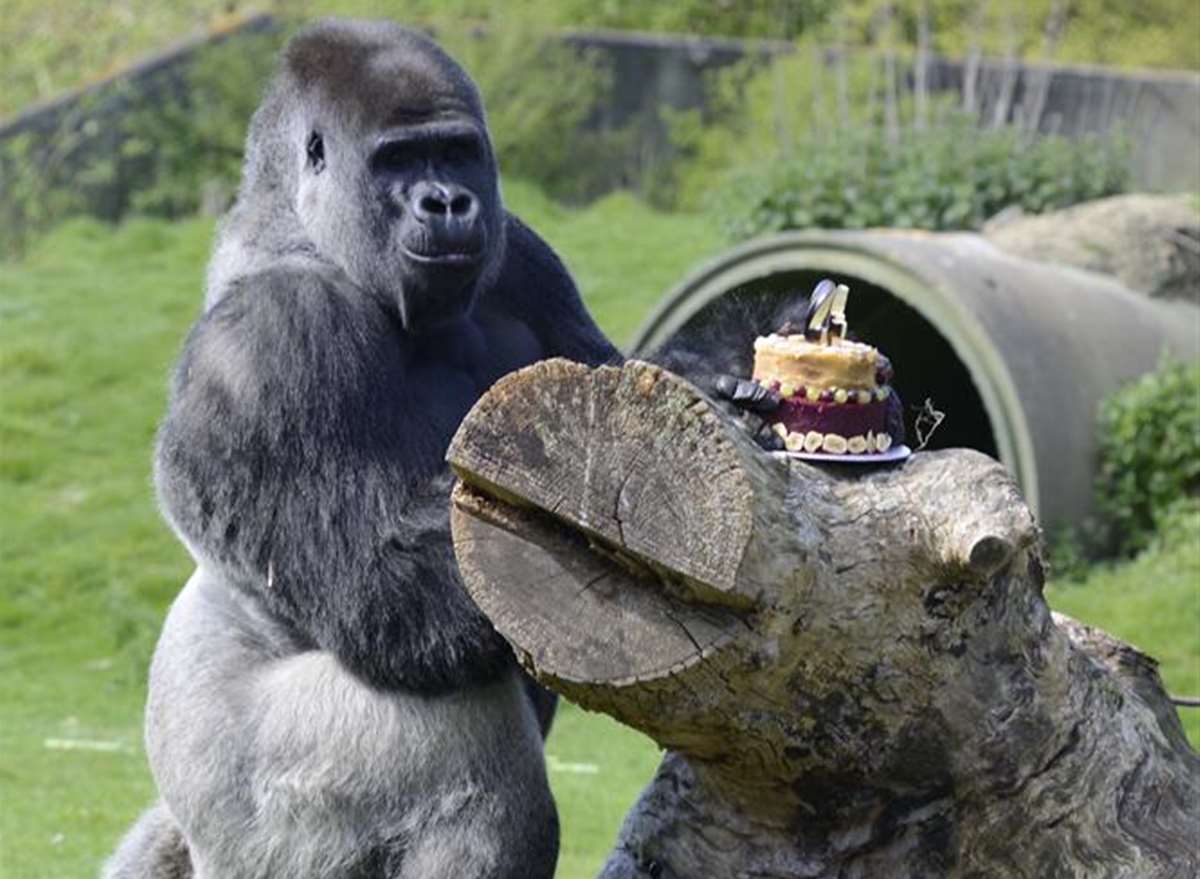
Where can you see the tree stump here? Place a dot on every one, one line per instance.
(852, 668)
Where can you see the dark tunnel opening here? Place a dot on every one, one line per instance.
(926, 366)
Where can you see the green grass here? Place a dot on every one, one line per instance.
(1152, 603)
(90, 322)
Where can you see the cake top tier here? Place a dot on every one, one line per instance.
(836, 363)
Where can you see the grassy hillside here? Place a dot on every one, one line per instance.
(89, 325)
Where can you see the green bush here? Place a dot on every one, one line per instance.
(180, 149)
(825, 138)
(539, 94)
(53, 45)
(36, 192)
(1149, 479)
(190, 146)
(953, 176)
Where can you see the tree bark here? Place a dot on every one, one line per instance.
(852, 667)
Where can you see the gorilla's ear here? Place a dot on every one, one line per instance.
(315, 148)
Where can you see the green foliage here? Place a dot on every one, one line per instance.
(180, 149)
(34, 195)
(774, 19)
(953, 176)
(1070, 553)
(1150, 33)
(188, 148)
(832, 141)
(1150, 602)
(50, 46)
(53, 45)
(1149, 478)
(539, 94)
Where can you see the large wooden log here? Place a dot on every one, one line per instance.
(853, 669)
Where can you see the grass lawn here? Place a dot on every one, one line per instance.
(1152, 603)
(90, 322)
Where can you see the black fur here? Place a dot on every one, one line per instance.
(325, 699)
(302, 451)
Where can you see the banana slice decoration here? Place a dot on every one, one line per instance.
(825, 317)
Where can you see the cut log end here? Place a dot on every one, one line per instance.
(629, 455)
(582, 611)
(989, 554)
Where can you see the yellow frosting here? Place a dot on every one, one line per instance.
(796, 361)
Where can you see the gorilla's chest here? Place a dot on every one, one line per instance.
(447, 371)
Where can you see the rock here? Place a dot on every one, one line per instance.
(1151, 243)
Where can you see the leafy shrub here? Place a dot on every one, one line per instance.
(836, 138)
(173, 147)
(540, 95)
(162, 147)
(953, 176)
(36, 190)
(189, 147)
(1070, 552)
(90, 38)
(1149, 477)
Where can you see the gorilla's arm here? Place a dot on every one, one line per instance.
(546, 298)
(281, 462)
(537, 287)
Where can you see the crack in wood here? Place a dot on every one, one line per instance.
(686, 631)
(590, 583)
(619, 496)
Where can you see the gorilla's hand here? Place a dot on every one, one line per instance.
(748, 401)
(746, 394)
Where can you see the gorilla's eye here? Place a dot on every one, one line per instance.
(316, 152)
(460, 151)
(395, 156)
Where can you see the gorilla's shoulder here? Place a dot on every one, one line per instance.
(536, 285)
(293, 308)
(529, 260)
(293, 283)
(520, 235)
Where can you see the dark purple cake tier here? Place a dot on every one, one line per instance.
(837, 428)
(844, 419)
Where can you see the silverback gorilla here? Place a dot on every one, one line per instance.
(325, 700)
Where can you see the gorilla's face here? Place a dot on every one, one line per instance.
(398, 183)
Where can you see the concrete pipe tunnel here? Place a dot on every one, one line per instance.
(1016, 354)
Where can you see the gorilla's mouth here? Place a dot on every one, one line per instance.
(444, 257)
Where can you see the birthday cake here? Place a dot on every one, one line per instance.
(836, 393)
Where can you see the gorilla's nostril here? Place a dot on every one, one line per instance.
(461, 204)
(430, 204)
